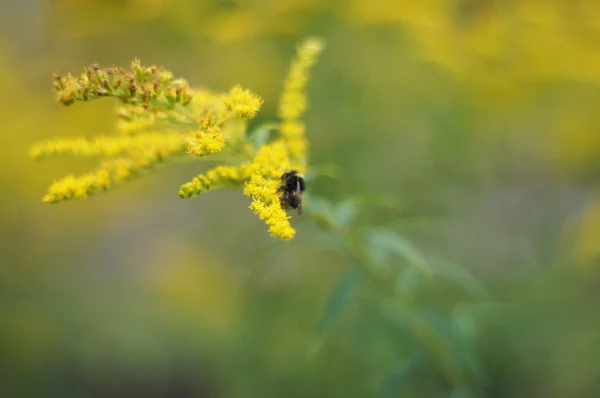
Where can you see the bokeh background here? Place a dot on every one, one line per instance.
(479, 117)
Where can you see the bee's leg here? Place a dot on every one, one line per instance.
(281, 193)
(283, 197)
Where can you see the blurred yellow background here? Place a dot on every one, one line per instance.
(480, 116)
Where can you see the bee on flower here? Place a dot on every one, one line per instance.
(160, 118)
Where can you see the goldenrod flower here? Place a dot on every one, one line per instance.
(110, 172)
(160, 118)
(262, 179)
(77, 187)
(270, 162)
(293, 103)
(72, 187)
(209, 138)
(149, 86)
(243, 102)
(110, 146)
(202, 143)
(218, 177)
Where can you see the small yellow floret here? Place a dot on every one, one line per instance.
(244, 103)
(205, 142)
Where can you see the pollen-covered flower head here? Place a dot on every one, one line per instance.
(243, 102)
(270, 162)
(161, 119)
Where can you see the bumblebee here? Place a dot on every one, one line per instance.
(291, 189)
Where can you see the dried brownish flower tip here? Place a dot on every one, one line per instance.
(139, 85)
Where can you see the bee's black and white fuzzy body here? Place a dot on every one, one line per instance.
(290, 192)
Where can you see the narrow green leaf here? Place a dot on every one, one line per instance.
(345, 212)
(401, 377)
(463, 392)
(461, 277)
(320, 209)
(336, 303)
(383, 245)
(461, 343)
(408, 280)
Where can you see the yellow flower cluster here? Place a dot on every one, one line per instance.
(219, 177)
(271, 161)
(262, 179)
(136, 160)
(72, 187)
(209, 137)
(205, 141)
(293, 102)
(148, 86)
(161, 118)
(110, 146)
(243, 102)
(262, 175)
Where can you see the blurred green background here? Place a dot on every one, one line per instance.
(478, 117)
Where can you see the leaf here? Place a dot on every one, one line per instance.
(408, 280)
(461, 343)
(434, 334)
(461, 277)
(338, 215)
(261, 134)
(383, 245)
(320, 209)
(336, 303)
(401, 377)
(345, 212)
(463, 392)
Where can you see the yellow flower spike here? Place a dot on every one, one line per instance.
(272, 159)
(72, 187)
(109, 146)
(293, 103)
(270, 162)
(215, 178)
(224, 116)
(292, 129)
(244, 103)
(110, 172)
